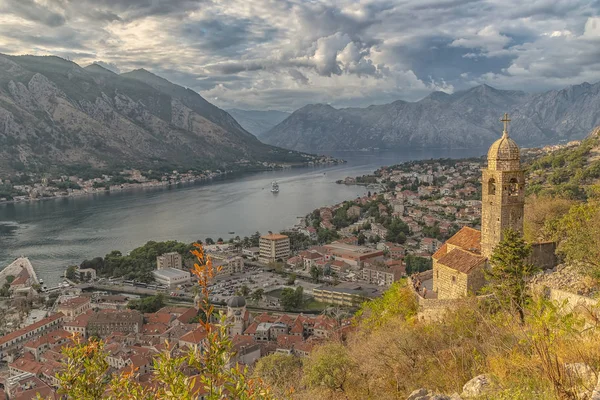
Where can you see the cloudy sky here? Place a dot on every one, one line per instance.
(283, 54)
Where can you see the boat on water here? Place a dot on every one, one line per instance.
(274, 187)
(41, 281)
(231, 233)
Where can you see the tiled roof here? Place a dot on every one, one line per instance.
(195, 337)
(74, 302)
(287, 341)
(251, 330)
(29, 328)
(468, 239)
(187, 316)
(461, 260)
(440, 252)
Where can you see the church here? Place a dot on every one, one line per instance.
(459, 264)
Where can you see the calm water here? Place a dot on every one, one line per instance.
(60, 232)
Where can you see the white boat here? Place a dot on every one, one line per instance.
(41, 281)
(274, 187)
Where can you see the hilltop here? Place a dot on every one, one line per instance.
(464, 119)
(56, 114)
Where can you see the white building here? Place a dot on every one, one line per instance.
(169, 260)
(274, 247)
(171, 276)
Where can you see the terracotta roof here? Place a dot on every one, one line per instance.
(264, 317)
(158, 318)
(23, 364)
(288, 341)
(74, 302)
(154, 329)
(49, 339)
(173, 310)
(297, 328)
(468, 239)
(251, 330)
(195, 337)
(461, 261)
(440, 252)
(81, 320)
(243, 340)
(187, 316)
(21, 279)
(29, 328)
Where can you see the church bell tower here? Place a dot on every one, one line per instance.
(503, 191)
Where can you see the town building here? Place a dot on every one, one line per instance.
(252, 252)
(274, 247)
(85, 274)
(352, 255)
(382, 275)
(106, 322)
(13, 342)
(346, 293)
(228, 264)
(171, 277)
(74, 307)
(169, 260)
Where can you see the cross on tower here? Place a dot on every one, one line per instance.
(506, 120)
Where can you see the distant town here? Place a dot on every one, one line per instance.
(28, 186)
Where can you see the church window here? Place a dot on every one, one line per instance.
(492, 187)
(513, 187)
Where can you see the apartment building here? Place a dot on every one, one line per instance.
(274, 247)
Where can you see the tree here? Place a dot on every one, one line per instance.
(257, 295)
(316, 273)
(578, 234)
(292, 299)
(10, 279)
(507, 277)
(70, 274)
(220, 240)
(330, 367)
(279, 371)
(291, 279)
(149, 304)
(244, 290)
(209, 241)
(361, 239)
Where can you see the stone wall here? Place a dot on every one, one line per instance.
(543, 255)
(449, 283)
(15, 268)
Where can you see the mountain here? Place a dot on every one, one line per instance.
(468, 118)
(258, 122)
(55, 114)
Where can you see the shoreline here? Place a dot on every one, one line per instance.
(165, 184)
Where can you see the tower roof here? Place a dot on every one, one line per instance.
(236, 302)
(504, 153)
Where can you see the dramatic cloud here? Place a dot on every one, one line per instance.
(282, 54)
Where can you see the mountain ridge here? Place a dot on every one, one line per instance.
(55, 114)
(467, 118)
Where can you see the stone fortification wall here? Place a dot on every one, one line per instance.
(15, 267)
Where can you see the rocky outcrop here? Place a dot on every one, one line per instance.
(424, 394)
(463, 119)
(476, 387)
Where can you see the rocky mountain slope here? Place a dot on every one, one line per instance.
(258, 122)
(467, 118)
(54, 113)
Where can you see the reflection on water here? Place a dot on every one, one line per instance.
(61, 232)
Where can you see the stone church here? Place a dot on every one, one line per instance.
(458, 265)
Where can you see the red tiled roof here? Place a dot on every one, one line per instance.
(468, 239)
(158, 318)
(155, 329)
(440, 252)
(187, 316)
(81, 320)
(251, 330)
(461, 260)
(29, 328)
(195, 337)
(74, 302)
(23, 364)
(287, 341)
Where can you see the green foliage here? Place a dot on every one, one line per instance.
(70, 273)
(509, 272)
(397, 231)
(330, 368)
(316, 273)
(10, 279)
(140, 263)
(298, 241)
(291, 279)
(258, 294)
(326, 235)
(397, 302)
(416, 264)
(280, 371)
(150, 304)
(292, 299)
(578, 234)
